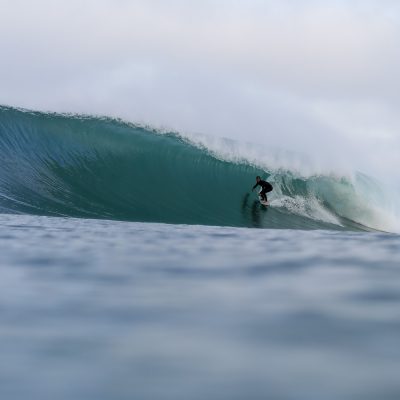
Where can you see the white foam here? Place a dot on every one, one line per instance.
(309, 207)
(349, 194)
(262, 156)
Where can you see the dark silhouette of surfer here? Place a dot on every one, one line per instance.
(266, 188)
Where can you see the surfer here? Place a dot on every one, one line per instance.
(266, 187)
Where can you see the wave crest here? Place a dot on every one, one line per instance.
(83, 166)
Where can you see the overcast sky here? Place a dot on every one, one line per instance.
(318, 77)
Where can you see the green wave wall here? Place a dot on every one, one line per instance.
(80, 166)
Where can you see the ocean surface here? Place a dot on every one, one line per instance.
(137, 264)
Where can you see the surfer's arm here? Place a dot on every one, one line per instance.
(255, 186)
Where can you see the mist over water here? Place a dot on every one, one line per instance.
(314, 78)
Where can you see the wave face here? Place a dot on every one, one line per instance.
(80, 166)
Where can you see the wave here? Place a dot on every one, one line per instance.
(96, 167)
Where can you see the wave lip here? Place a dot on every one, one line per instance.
(83, 166)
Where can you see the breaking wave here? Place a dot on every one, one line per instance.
(95, 167)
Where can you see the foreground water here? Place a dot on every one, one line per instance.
(94, 309)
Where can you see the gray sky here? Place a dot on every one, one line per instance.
(318, 77)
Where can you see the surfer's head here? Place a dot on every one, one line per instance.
(258, 178)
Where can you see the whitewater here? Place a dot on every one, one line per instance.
(137, 263)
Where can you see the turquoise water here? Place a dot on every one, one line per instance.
(79, 166)
(136, 264)
(97, 309)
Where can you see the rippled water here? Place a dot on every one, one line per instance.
(94, 309)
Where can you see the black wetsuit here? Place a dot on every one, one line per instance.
(266, 187)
